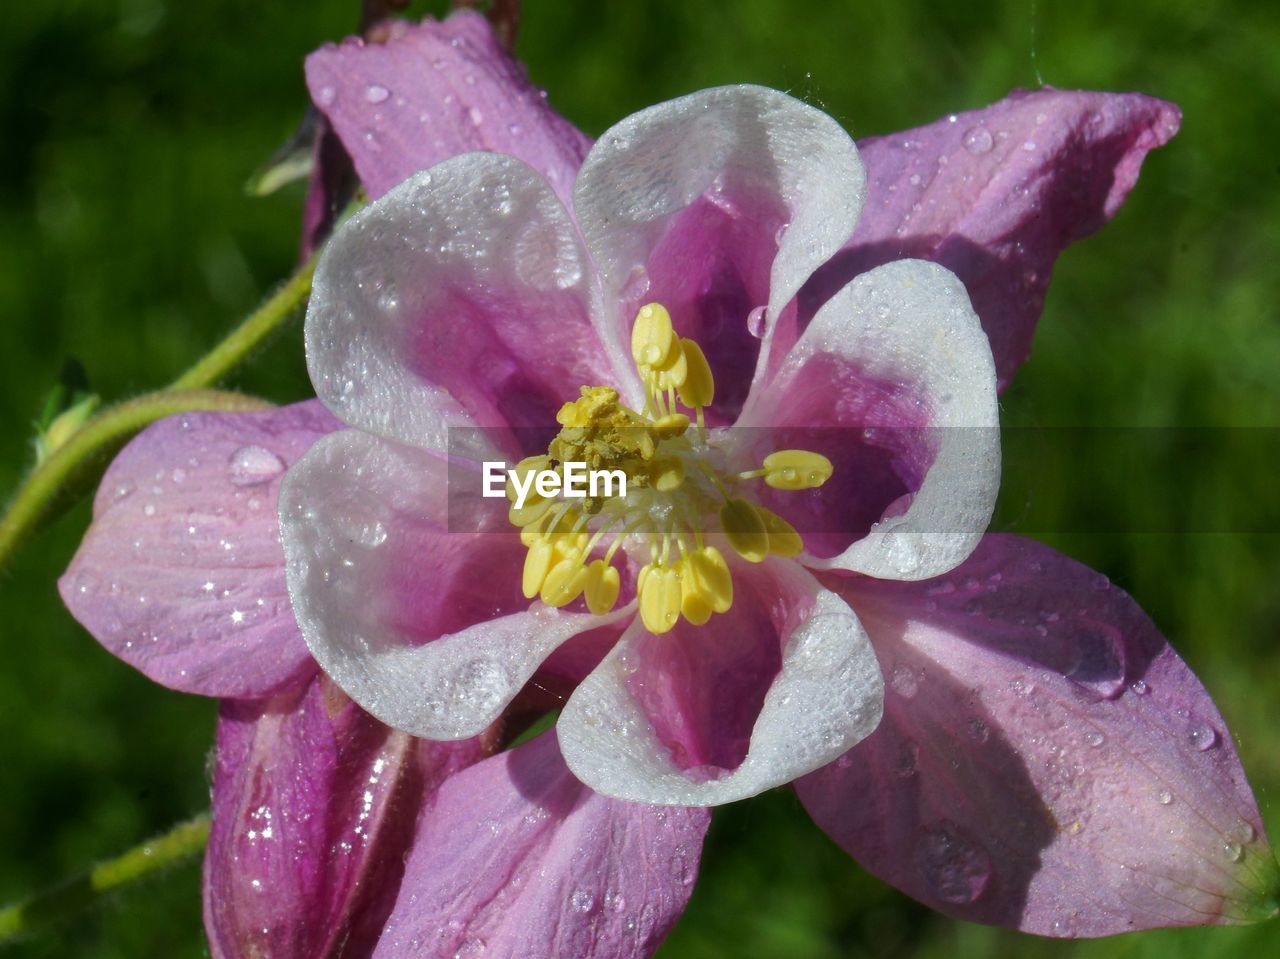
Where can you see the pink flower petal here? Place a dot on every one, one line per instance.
(713, 204)
(642, 725)
(314, 804)
(516, 858)
(897, 347)
(996, 194)
(181, 573)
(433, 91)
(1046, 761)
(422, 624)
(459, 299)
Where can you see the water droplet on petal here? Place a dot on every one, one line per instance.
(1139, 687)
(955, 867)
(326, 95)
(1202, 737)
(904, 680)
(1094, 738)
(376, 93)
(755, 322)
(251, 465)
(1164, 797)
(1242, 832)
(476, 116)
(978, 140)
(978, 731)
(582, 901)
(1233, 850)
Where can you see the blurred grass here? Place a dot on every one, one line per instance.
(129, 127)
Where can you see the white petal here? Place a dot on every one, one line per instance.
(656, 163)
(459, 298)
(423, 626)
(828, 697)
(910, 323)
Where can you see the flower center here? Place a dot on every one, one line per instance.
(677, 493)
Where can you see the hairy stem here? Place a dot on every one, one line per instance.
(76, 466)
(256, 328)
(67, 898)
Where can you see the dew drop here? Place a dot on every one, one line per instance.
(1202, 737)
(388, 300)
(978, 140)
(326, 95)
(582, 901)
(904, 680)
(376, 93)
(1242, 833)
(955, 868)
(476, 116)
(1094, 738)
(1139, 687)
(755, 322)
(1164, 797)
(978, 731)
(251, 465)
(1233, 850)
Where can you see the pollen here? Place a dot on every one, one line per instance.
(680, 507)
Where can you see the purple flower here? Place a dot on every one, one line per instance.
(1045, 761)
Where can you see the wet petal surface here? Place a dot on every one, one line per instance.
(1046, 761)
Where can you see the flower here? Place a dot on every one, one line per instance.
(469, 300)
(1003, 776)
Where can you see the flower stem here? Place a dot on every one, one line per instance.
(44, 908)
(269, 317)
(75, 467)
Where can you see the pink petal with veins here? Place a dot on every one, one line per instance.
(434, 90)
(516, 859)
(314, 802)
(1045, 761)
(995, 195)
(181, 574)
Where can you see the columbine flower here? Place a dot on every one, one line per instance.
(1045, 761)
(468, 298)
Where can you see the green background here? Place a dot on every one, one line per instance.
(127, 131)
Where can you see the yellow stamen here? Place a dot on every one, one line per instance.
(537, 563)
(653, 341)
(666, 473)
(796, 469)
(601, 587)
(745, 530)
(783, 538)
(659, 598)
(677, 489)
(565, 582)
(698, 388)
(707, 574)
(530, 464)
